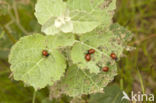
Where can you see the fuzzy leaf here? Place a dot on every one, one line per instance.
(103, 42)
(88, 14)
(77, 82)
(61, 41)
(46, 9)
(76, 16)
(122, 33)
(30, 66)
(47, 13)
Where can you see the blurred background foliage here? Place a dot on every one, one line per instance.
(136, 70)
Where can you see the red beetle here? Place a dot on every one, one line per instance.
(45, 53)
(91, 51)
(88, 57)
(113, 56)
(105, 69)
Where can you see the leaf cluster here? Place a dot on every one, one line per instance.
(71, 30)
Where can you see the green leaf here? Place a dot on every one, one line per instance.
(48, 15)
(87, 77)
(30, 66)
(87, 15)
(46, 9)
(77, 82)
(103, 42)
(122, 33)
(61, 40)
(112, 94)
(76, 16)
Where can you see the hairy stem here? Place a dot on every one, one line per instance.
(34, 96)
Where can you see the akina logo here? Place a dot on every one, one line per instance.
(138, 97)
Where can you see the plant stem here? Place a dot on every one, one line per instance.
(121, 84)
(34, 96)
(141, 81)
(8, 34)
